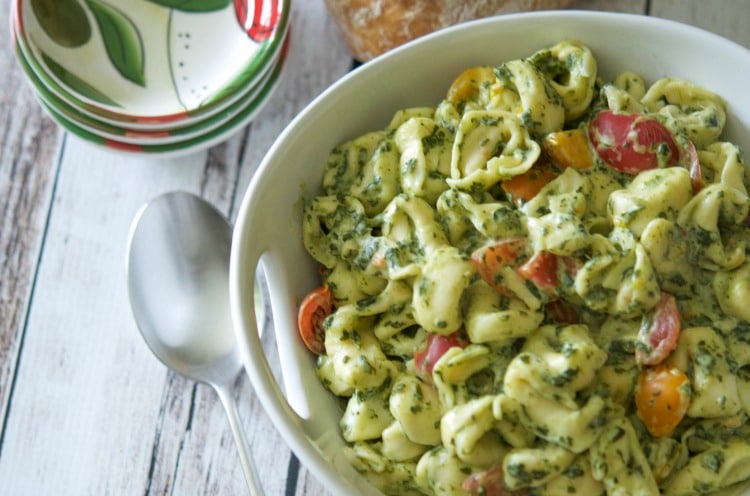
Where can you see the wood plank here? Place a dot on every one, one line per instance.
(88, 389)
(626, 6)
(29, 146)
(728, 18)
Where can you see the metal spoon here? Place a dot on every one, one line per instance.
(178, 273)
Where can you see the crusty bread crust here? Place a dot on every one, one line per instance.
(372, 27)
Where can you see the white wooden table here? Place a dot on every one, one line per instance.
(85, 409)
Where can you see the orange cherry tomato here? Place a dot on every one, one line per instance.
(570, 148)
(526, 186)
(315, 307)
(490, 260)
(662, 398)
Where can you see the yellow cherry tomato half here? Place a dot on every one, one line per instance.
(570, 148)
(468, 84)
(662, 398)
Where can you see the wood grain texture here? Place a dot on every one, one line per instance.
(625, 6)
(92, 407)
(729, 18)
(85, 408)
(29, 144)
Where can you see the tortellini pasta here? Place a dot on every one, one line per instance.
(490, 146)
(500, 313)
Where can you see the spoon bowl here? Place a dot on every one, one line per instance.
(178, 284)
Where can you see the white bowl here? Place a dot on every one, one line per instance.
(417, 74)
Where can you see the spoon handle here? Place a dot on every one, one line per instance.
(248, 464)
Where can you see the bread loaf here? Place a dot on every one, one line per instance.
(372, 27)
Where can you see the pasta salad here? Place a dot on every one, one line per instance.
(539, 287)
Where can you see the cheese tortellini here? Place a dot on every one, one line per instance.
(504, 295)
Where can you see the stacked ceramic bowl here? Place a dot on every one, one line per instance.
(151, 76)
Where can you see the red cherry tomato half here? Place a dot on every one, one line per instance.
(434, 348)
(632, 143)
(561, 312)
(546, 270)
(315, 307)
(659, 332)
(265, 16)
(541, 269)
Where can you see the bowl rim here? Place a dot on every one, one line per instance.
(89, 128)
(247, 249)
(245, 113)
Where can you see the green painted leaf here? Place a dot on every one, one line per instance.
(193, 5)
(122, 41)
(63, 20)
(74, 82)
(237, 84)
